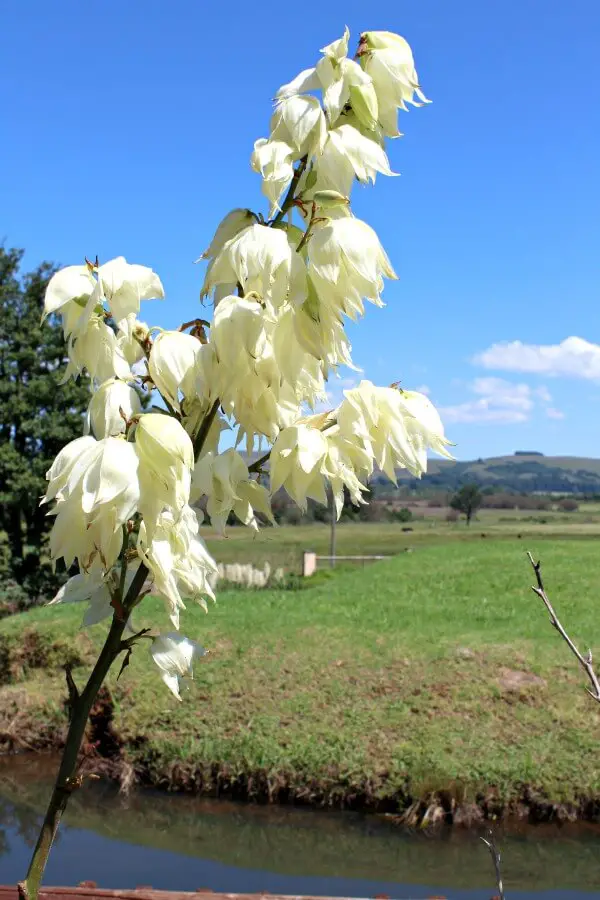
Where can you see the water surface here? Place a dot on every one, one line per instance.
(178, 842)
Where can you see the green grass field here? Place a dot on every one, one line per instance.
(283, 546)
(390, 681)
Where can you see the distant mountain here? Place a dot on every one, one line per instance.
(526, 471)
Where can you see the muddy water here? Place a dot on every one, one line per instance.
(182, 843)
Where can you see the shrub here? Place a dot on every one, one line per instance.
(401, 515)
(568, 505)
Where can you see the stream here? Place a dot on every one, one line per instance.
(180, 842)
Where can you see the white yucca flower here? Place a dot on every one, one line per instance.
(388, 60)
(234, 222)
(125, 285)
(300, 368)
(320, 331)
(240, 337)
(347, 264)
(348, 155)
(273, 160)
(177, 559)
(67, 293)
(267, 417)
(395, 431)
(297, 458)
(174, 655)
(96, 491)
(299, 122)
(166, 457)
(258, 258)
(96, 350)
(424, 426)
(173, 365)
(341, 80)
(77, 292)
(112, 406)
(225, 481)
(97, 589)
(130, 338)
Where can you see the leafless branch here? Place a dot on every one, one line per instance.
(584, 661)
(495, 854)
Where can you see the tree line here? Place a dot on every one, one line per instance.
(37, 418)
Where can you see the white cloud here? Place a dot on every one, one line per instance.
(544, 394)
(574, 357)
(554, 413)
(423, 389)
(499, 401)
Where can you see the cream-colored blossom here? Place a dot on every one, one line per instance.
(166, 457)
(296, 461)
(113, 405)
(96, 350)
(177, 560)
(234, 222)
(96, 491)
(299, 122)
(125, 285)
(347, 264)
(258, 258)
(348, 155)
(273, 160)
(172, 365)
(395, 429)
(224, 479)
(387, 58)
(174, 655)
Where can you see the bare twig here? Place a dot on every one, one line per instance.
(584, 661)
(495, 854)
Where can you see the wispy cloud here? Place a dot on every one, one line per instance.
(573, 357)
(499, 401)
(554, 413)
(335, 392)
(423, 389)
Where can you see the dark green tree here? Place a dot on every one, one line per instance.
(467, 500)
(38, 416)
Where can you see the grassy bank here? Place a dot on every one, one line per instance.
(435, 671)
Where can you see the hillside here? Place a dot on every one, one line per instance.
(520, 472)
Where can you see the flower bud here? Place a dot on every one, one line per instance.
(330, 199)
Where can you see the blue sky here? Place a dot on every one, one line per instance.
(128, 130)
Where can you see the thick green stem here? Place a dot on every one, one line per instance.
(67, 780)
(289, 197)
(202, 435)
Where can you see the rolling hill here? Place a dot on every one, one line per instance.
(524, 471)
